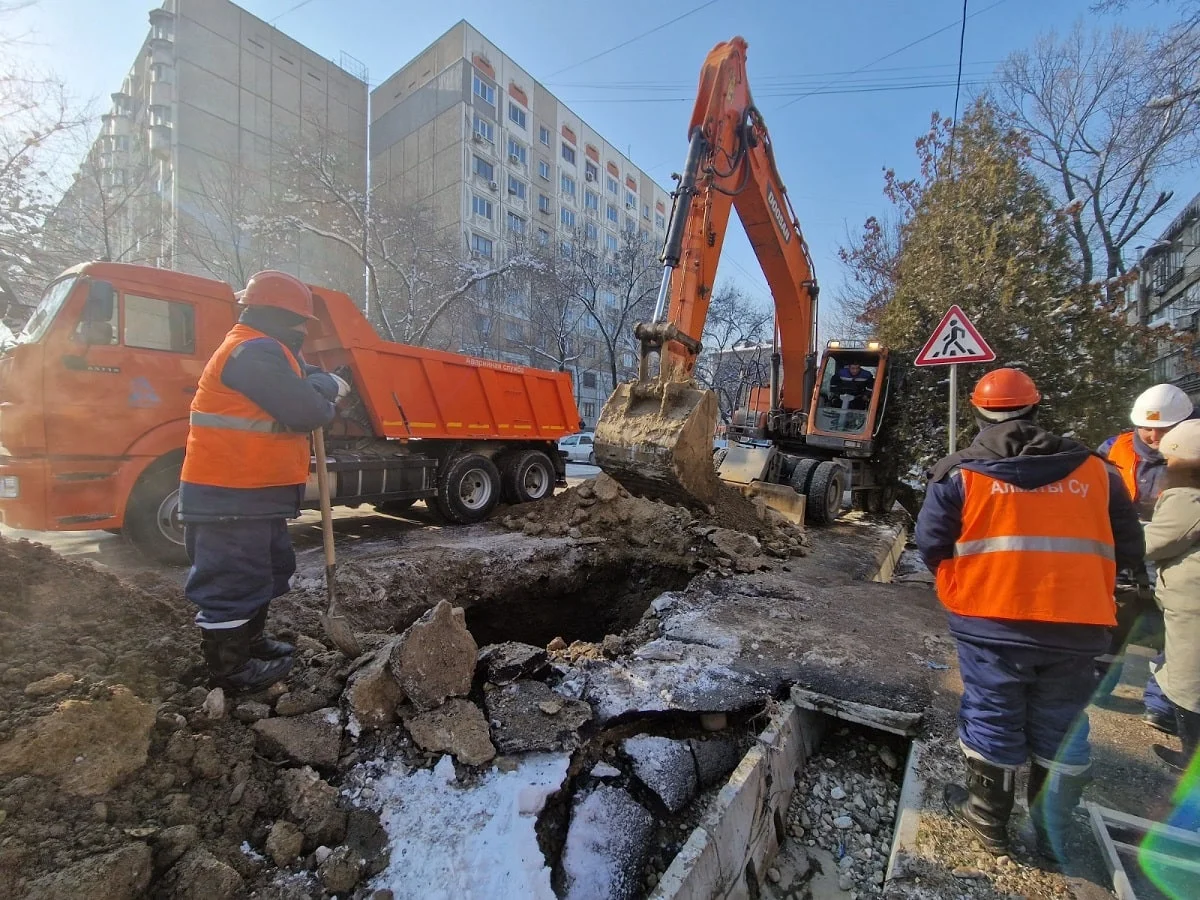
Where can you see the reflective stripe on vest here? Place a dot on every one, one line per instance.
(1041, 555)
(1123, 455)
(235, 423)
(233, 442)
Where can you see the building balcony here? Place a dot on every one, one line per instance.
(161, 52)
(122, 103)
(160, 141)
(113, 125)
(161, 93)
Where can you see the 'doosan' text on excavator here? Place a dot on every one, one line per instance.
(813, 432)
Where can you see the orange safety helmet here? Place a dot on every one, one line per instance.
(1005, 394)
(278, 290)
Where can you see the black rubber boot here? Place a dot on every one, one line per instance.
(985, 804)
(261, 645)
(1188, 725)
(1164, 723)
(1052, 798)
(230, 665)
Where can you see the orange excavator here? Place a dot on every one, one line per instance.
(814, 431)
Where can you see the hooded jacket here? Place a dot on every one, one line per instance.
(1027, 456)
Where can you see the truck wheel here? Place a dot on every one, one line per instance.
(719, 457)
(802, 474)
(526, 476)
(825, 493)
(152, 521)
(882, 500)
(468, 489)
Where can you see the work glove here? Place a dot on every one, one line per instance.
(343, 386)
(329, 386)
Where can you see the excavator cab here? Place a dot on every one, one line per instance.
(847, 401)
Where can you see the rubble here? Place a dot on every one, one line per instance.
(457, 727)
(120, 875)
(435, 657)
(665, 766)
(340, 870)
(528, 716)
(372, 692)
(505, 663)
(201, 876)
(608, 841)
(313, 804)
(310, 739)
(284, 843)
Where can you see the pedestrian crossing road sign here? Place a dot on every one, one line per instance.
(955, 340)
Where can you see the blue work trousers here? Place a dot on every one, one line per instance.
(1020, 702)
(237, 567)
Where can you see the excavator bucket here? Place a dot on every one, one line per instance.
(656, 438)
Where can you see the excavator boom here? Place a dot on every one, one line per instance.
(655, 433)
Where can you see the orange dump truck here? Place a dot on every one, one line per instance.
(94, 403)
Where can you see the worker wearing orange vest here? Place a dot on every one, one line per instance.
(1143, 469)
(246, 464)
(1024, 531)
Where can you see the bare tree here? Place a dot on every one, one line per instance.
(220, 228)
(1098, 113)
(869, 261)
(555, 314)
(614, 287)
(737, 352)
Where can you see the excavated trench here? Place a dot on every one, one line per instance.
(586, 603)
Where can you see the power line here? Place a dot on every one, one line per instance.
(894, 53)
(292, 9)
(626, 43)
(813, 93)
(962, 39)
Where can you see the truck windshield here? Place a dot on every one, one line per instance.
(52, 300)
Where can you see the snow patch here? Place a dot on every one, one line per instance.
(249, 852)
(466, 841)
(606, 844)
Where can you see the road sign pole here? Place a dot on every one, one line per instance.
(953, 407)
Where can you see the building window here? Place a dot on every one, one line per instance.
(630, 200)
(589, 408)
(590, 172)
(660, 221)
(612, 215)
(514, 331)
(591, 200)
(568, 185)
(593, 233)
(567, 217)
(485, 129)
(610, 185)
(610, 243)
(589, 349)
(516, 152)
(544, 135)
(484, 91)
(481, 207)
(516, 187)
(152, 324)
(543, 203)
(566, 249)
(516, 115)
(543, 237)
(630, 225)
(481, 245)
(484, 169)
(515, 223)
(543, 169)
(645, 210)
(589, 379)
(568, 153)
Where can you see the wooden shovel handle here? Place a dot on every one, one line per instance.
(323, 488)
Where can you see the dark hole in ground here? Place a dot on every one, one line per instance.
(583, 604)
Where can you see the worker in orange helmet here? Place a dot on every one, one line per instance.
(246, 464)
(1024, 530)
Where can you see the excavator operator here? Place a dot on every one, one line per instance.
(853, 379)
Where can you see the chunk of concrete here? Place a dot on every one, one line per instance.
(284, 843)
(87, 746)
(665, 766)
(435, 658)
(457, 727)
(735, 544)
(340, 871)
(505, 663)
(120, 875)
(608, 843)
(201, 876)
(312, 803)
(715, 759)
(314, 739)
(521, 723)
(373, 692)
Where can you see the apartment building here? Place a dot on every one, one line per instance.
(1169, 294)
(196, 140)
(468, 134)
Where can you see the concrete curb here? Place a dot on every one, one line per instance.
(908, 813)
(889, 559)
(729, 852)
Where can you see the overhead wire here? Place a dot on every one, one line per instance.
(636, 37)
(962, 39)
(300, 5)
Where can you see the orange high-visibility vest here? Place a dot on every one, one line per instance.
(1040, 555)
(233, 442)
(1123, 455)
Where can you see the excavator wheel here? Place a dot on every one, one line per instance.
(825, 493)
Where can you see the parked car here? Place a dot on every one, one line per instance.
(578, 447)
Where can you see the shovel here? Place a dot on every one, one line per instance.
(337, 629)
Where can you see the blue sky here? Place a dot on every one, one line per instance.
(836, 81)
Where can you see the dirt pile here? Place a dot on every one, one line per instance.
(738, 533)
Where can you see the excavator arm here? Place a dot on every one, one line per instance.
(655, 434)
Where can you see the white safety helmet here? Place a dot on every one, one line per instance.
(1182, 442)
(1161, 406)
